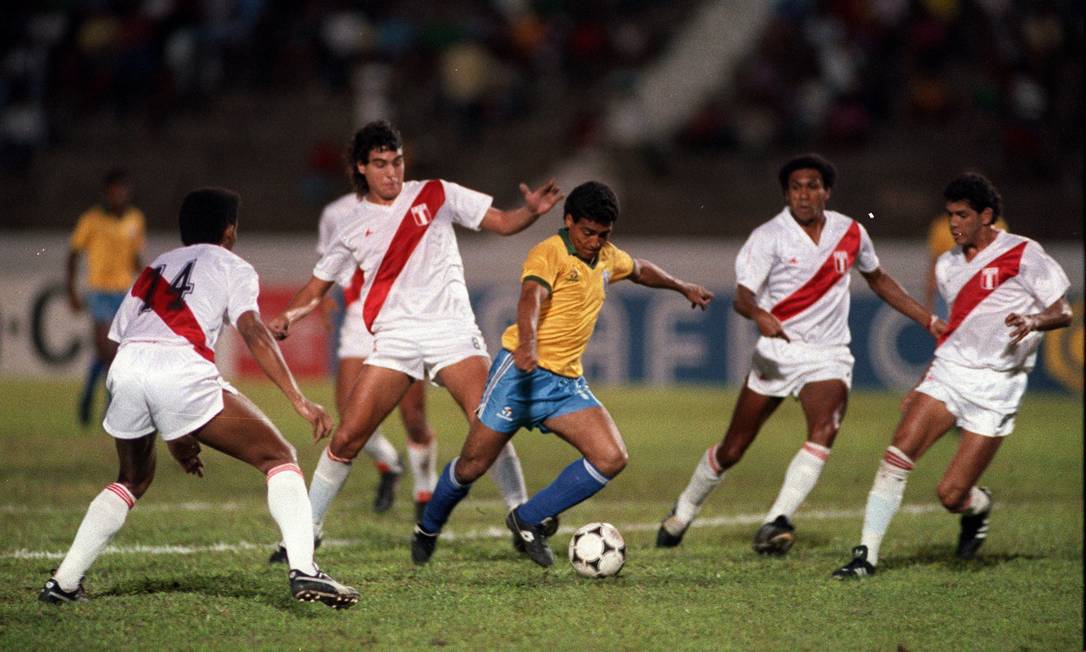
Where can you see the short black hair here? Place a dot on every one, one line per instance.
(206, 213)
(115, 176)
(977, 190)
(808, 162)
(378, 135)
(594, 201)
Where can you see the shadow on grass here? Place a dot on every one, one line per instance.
(942, 556)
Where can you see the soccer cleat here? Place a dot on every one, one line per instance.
(386, 492)
(671, 531)
(857, 568)
(53, 594)
(775, 537)
(422, 545)
(974, 531)
(279, 556)
(322, 588)
(534, 538)
(550, 528)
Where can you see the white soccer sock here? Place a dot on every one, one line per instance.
(423, 462)
(707, 475)
(977, 503)
(509, 477)
(884, 499)
(799, 480)
(383, 453)
(105, 516)
(328, 479)
(289, 506)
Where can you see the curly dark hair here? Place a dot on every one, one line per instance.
(206, 213)
(808, 162)
(594, 201)
(378, 135)
(977, 190)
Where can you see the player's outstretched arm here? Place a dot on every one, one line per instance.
(890, 291)
(746, 305)
(1058, 315)
(536, 203)
(303, 303)
(70, 274)
(532, 296)
(264, 348)
(651, 275)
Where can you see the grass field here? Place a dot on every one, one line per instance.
(188, 569)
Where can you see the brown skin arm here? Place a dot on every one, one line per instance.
(890, 291)
(651, 275)
(536, 203)
(264, 348)
(304, 302)
(745, 304)
(532, 296)
(70, 269)
(1058, 315)
(186, 450)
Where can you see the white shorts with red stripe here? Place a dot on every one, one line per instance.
(165, 387)
(983, 401)
(422, 354)
(354, 340)
(780, 368)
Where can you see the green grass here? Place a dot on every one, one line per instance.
(1025, 592)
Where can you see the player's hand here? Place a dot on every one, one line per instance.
(769, 325)
(698, 296)
(1021, 325)
(316, 416)
(186, 450)
(279, 327)
(525, 357)
(543, 198)
(936, 327)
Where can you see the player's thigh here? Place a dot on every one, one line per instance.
(243, 432)
(975, 452)
(480, 449)
(465, 381)
(136, 461)
(824, 403)
(346, 376)
(593, 432)
(413, 414)
(923, 422)
(376, 392)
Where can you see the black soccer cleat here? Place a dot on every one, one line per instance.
(533, 537)
(550, 528)
(279, 555)
(53, 594)
(857, 568)
(671, 531)
(974, 531)
(422, 545)
(386, 492)
(775, 537)
(322, 588)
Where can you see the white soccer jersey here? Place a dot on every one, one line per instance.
(806, 285)
(1012, 274)
(185, 296)
(408, 255)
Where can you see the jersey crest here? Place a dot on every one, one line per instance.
(832, 270)
(1003, 268)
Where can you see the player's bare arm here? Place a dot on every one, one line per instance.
(768, 324)
(532, 296)
(652, 275)
(264, 348)
(1058, 315)
(306, 301)
(536, 203)
(890, 291)
(74, 300)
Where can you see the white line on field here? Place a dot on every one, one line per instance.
(484, 533)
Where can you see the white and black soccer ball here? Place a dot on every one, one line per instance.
(597, 550)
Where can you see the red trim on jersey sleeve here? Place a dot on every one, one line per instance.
(974, 291)
(825, 278)
(353, 292)
(412, 227)
(156, 292)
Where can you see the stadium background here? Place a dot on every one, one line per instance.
(685, 114)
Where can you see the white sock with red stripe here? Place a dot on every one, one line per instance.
(707, 475)
(383, 453)
(509, 477)
(289, 506)
(328, 479)
(799, 480)
(884, 499)
(105, 516)
(422, 458)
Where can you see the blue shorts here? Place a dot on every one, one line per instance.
(104, 305)
(525, 399)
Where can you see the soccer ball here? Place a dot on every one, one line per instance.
(597, 550)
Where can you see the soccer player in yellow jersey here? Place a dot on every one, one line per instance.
(111, 234)
(536, 380)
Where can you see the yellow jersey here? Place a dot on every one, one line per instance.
(577, 290)
(112, 244)
(939, 239)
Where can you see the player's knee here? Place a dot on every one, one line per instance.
(612, 463)
(468, 469)
(824, 433)
(953, 497)
(728, 456)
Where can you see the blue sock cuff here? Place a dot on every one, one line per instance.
(594, 472)
(450, 469)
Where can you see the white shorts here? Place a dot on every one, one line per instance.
(354, 340)
(163, 387)
(780, 368)
(423, 354)
(983, 401)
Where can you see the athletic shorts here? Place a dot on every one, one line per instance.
(103, 305)
(516, 399)
(354, 340)
(163, 387)
(983, 401)
(780, 368)
(422, 354)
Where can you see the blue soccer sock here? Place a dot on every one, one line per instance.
(447, 495)
(576, 483)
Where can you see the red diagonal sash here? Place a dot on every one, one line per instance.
(157, 294)
(418, 219)
(984, 282)
(828, 274)
(353, 291)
